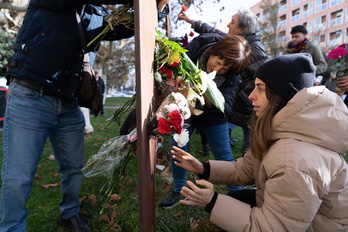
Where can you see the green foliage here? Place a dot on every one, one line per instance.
(7, 42)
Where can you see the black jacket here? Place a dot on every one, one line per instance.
(242, 108)
(48, 51)
(212, 115)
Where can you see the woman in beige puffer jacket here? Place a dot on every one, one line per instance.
(295, 158)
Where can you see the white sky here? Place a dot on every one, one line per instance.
(211, 13)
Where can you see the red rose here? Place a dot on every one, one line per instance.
(183, 8)
(191, 33)
(337, 53)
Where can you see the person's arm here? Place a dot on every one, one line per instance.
(162, 8)
(319, 60)
(199, 26)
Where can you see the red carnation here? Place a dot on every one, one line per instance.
(175, 120)
(183, 8)
(163, 126)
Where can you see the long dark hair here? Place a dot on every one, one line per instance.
(261, 127)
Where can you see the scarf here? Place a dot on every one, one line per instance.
(298, 47)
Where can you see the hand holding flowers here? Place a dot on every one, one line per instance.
(338, 61)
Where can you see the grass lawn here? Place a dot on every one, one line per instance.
(122, 213)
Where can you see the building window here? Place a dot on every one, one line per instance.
(320, 5)
(336, 18)
(295, 2)
(295, 15)
(282, 5)
(335, 38)
(335, 2)
(282, 21)
(320, 23)
(307, 10)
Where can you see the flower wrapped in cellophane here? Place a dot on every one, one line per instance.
(175, 71)
(170, 118)
(111, 160)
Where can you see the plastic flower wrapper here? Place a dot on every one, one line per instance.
(111, 161)
(170, 117)
(179, 73)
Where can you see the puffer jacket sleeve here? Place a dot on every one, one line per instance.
(201, 27)
(291, 200)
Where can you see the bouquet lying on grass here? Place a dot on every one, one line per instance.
(176, 72)
(111, 161)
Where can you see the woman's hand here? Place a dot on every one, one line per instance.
(187, 161)
(183, 16)
(342, 82)
(197, 196)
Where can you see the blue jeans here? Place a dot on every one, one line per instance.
(218, 139)
(30, 119)
(246, 133)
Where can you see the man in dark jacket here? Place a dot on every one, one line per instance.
(44, 74)
(244, 23)
(101, 85)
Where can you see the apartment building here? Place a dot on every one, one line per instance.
(325, 20)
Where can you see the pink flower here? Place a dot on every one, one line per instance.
(343, 45)
(337, 53)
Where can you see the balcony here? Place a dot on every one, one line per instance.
(282, 8)
(335, 42)
(321, 7)
(336, 21)
(319, 27)
(335, 2)
(307, 13)
(282, 23)
(295, 18)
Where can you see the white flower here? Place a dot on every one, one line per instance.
(158, 77)
(192, 97)
(182, 138)
(171, 107)
(206, 79)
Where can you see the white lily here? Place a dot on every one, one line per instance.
(206, 79)
(192, 97)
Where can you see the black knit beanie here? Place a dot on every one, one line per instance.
(288, 74)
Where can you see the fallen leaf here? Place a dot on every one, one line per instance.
(93, 200)
(49, 185)
(115, 197)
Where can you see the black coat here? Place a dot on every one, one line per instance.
(48, 51)
(212, 115)
(242, 108)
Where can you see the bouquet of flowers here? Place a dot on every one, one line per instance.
(111, 161)
(338, 61)
(170, 116)
(175, 71)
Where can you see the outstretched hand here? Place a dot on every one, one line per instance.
(186, 161)
(197, 196)
(183, 16)
(342, 82)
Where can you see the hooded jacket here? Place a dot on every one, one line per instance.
(302, 181)
(314, 50)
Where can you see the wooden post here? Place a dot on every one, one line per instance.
(145, 24)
